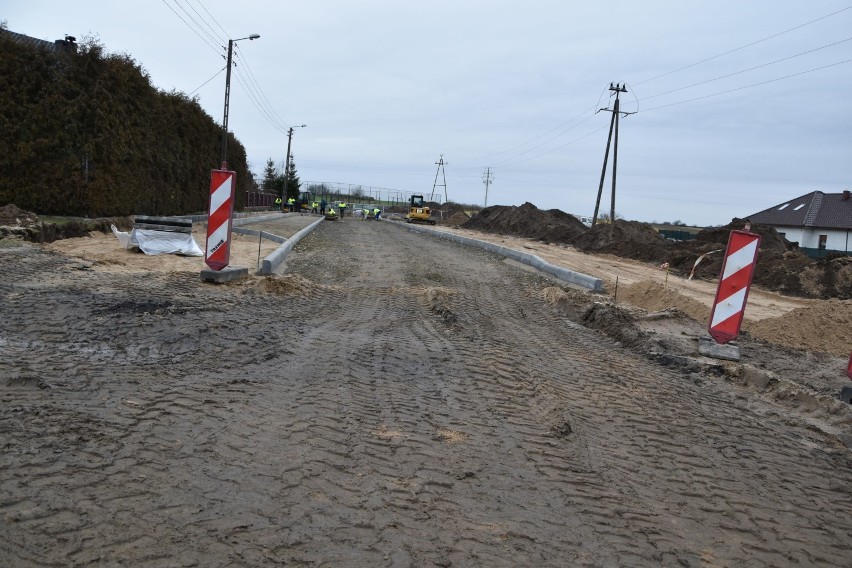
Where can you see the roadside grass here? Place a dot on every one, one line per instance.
(12, 243)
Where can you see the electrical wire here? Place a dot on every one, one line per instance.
(256, 101)
(262, 96)
(219, 72)
(744, 46)
(196, 32)
(533, 139)
(749, 86)
(201, 27)
(749, 69)
(212, 17)
(213, 39)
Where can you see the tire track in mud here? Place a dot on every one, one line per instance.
(410, 402)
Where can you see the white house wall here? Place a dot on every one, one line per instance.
(809, 238)
(792, 234)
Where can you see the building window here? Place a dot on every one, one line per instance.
(823, 239)
(797, 207)
(783, 207)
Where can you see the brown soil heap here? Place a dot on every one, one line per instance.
(458, 218)
(781, 267)
(13, 216)
(630, 239)
(553, 226)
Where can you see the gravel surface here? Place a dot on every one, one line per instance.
(389, 399)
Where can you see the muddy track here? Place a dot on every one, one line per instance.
(389, 400)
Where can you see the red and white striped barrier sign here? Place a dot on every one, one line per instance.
(734, 283)
(219, 217)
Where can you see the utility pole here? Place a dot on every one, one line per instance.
(487, 178)
(613, 125)
(227, 98)
(287, 160)
(440, 163)
(231, 43)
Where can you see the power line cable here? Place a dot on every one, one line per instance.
(200, 27)
(254, 98)
(533, 139)
(263, 96)
(211, 33)
(750, 86)
(584, 136)
(749, 69)
(196, 32)
(257, 101)
(213, 18)
(744, 46)
(219, 72)
(514, 159)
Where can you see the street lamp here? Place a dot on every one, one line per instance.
(231, 43)
(289, 141)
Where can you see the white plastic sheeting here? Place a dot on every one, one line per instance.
(158, 242)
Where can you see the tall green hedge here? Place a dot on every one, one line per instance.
(88, 135)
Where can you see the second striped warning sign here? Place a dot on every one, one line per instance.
(734, 284)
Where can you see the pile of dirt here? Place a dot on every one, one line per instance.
(552, 226)
(289, 285)
(448, 209)
(13, 216)
(458, 218)
(629, 239)
(781, 266)
(654, 297)
(805, 328)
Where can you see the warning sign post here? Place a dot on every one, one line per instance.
(734, 283)
(219, 218)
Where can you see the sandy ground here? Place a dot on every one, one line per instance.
(102, 251)
(392, 399)
(799, 323)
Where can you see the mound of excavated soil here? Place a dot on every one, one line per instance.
(654, 297)
(781, 267)
(13, 216)
(808, 328)
(553, 226)
(630, 239)
(458, 218)
(289, 285)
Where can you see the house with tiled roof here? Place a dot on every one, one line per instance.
(820, 222)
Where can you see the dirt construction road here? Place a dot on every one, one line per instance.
(390, 400)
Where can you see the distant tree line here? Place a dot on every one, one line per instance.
(86, 134)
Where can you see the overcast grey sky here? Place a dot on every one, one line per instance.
(387, 86)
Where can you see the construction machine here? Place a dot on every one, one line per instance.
(418, 212)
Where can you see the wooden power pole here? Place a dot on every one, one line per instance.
(613, 126)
